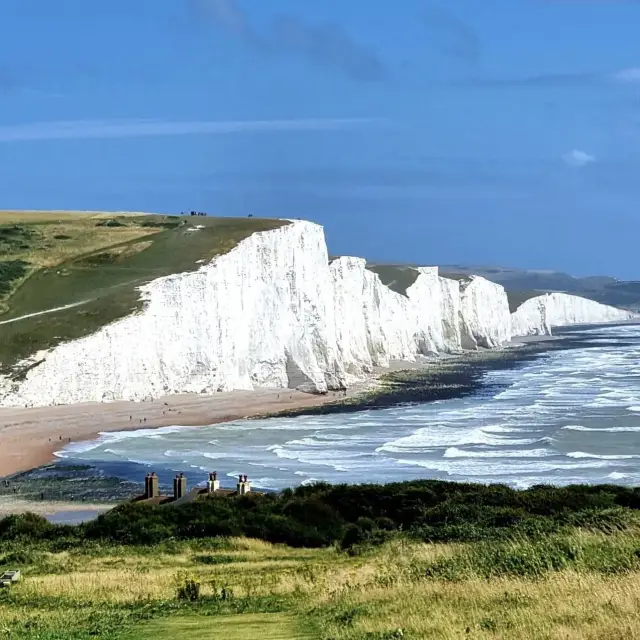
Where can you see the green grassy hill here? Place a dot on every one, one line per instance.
(92, 263)
(522, 284)
(397, 277)
(417, 560)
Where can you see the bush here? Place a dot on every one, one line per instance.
(209, 559)
(189, 590)
(9, 271)
(364, 515)
(21, 558)
(26, 525)
(110, 223)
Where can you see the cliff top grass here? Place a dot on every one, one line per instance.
(64, 275)
(397, 277)
(517, 298)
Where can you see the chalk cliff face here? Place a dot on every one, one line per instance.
(484, 314)
(537, 316)
(273, 312)
(261, 314)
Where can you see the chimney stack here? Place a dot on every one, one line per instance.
(151, 489)
(244, 486)
(214, 483)
(179, 486)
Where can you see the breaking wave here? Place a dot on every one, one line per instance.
(569, 416)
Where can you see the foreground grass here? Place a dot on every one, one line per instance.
(266, 626)
(95, 262)
(578, 585)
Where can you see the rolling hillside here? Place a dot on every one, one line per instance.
(63, 275)
(522, 284)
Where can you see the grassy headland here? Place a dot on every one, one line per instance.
(427, 559)
(397, 277)
(91, 265)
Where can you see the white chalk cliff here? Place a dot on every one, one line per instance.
(537, 316)
(274, 312)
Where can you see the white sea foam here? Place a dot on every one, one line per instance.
(518, 435)
(454, 452)
(582, 454)
(603, 430)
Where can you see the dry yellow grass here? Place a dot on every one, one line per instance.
(11, 216)
(81, 237)
(565, 606)
(348, 597)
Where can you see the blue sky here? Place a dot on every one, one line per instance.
(494, 132)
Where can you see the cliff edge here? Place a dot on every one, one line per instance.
(274, 312)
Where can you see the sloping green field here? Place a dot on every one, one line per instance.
(92, 264)
(397, 277)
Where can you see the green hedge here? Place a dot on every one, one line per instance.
(350, 515)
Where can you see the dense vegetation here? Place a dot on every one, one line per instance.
(323, 514)
(10, 271)
(423, 559)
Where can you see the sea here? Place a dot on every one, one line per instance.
(568, 416)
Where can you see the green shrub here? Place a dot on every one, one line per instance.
(364, 515)
(211, 559)
(189, 590)
(10, 271)
(21, 557)
(110, 223)
(26, 525)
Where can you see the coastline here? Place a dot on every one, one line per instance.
(30, 437)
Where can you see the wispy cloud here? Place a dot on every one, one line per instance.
(578, 158)
(461, 40)
(85, 129)
(324, 44)
(586, 78)
(627, 76)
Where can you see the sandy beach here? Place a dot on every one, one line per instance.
(30, 436)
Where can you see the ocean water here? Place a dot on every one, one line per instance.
(569, 416)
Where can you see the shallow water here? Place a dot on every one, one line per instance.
(73, 517)
(569, 416)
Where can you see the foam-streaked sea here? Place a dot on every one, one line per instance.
(569, 416)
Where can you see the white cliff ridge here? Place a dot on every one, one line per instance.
(274, 312)
(537, 316)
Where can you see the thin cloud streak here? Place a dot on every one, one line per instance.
(628, 76)
(91, 129)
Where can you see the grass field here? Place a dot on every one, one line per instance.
(249, 589)
(397, 278)
(91, 264)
